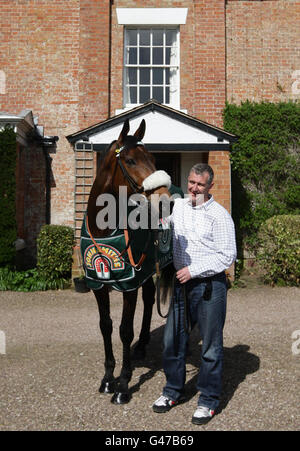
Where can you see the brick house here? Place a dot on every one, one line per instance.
(79, 67)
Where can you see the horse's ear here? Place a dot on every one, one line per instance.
(139, 134)
(124, 132)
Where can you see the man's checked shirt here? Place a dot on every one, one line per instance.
(203, 237)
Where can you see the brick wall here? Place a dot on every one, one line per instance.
(39, 54)
(93, 62)
(202, 56)
(263, 50)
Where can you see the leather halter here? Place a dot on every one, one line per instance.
(135, 187)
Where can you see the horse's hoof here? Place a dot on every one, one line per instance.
(107, 387)
(120, 398)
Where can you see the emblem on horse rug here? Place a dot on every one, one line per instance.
(110, 260)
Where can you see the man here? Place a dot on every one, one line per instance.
(203, 247)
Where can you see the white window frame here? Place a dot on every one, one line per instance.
(174, 98)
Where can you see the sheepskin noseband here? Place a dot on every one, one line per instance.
(158, 178)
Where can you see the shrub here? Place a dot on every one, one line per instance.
(279, 250)
(265, 163)
(8, 227)
(54, 252)
(30, 280)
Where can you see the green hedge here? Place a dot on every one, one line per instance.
(30, 280)
(55, 248)
(8, 226)
(265, 164)
(54, 251)
(279, 250)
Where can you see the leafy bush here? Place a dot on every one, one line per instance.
(279, 250)
(265, 163)
(55, 249)
(54, 252)
(8, 227)
(29, 280)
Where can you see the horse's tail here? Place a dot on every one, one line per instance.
(166, 282)
(164, 287)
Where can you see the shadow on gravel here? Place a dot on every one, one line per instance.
(238, 363)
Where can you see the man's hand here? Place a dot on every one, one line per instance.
(183, 275)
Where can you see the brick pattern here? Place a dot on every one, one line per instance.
(93, 62)
(40, 57)
(202, 56)
(263, 50)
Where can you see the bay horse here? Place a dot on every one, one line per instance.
(125, 163)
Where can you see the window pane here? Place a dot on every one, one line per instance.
(167, 76)
(158, 37)
(131, 37)
(167, 95)
(144, 37)
(144, 56)
(144, 94)
(168, 55)
(144, 76)
(158, 76)
(133, 95)
(158, 94)
(132, 56)
(170, 37)
(171, 55)
(158, 55)
(132, 75)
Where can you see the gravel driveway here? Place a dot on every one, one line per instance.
(53, 363)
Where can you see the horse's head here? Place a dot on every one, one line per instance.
(128, 164)
(136, 166)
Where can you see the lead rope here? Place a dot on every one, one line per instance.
(158, 276)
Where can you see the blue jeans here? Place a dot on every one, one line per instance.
(207, 308)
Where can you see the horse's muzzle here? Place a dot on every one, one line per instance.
(156, 180)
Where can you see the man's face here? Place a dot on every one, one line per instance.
(198, 187)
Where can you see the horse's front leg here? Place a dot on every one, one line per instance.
(148, 295)
(122, 395)
(108, 381)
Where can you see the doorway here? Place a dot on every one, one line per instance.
(169, 162)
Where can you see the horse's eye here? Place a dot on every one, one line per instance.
(130, 162)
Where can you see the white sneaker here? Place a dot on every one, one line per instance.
(202, 415)
(163, 404)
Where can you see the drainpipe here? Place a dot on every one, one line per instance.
(48, 142)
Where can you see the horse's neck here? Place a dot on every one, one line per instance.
(103, 185)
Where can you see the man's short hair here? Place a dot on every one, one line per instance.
(200, 168)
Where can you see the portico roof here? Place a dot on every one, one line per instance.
(167, 129)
